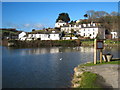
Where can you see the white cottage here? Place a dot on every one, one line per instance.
(52, 36)
(68, 29)
(85, 30)
(22, 36)
(60, 23)
(68, 38)
(92, 32)
(33, 36)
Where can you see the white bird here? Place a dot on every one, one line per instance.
(60, 58)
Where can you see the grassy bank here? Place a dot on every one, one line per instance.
(113, 61)
(87, 42)
(88, 80)
(44, 43)
(50, 43)
(90, 42)
(112, 42)
(83, 78)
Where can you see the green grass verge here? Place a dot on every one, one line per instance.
(88, 80)
(112, 42)
(114, 61)
(87, 42)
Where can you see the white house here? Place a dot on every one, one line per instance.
(22, 36)
(33, 36)
(114, 35)
(85, 30)
(68, 38)
(69, 28)
(78, 21)
(60, 23)
(92, 32)
(52, 36)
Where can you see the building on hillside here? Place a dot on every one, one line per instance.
(60, 23)
(114, 35)
(68, 29)
(42, 36)
(68, 38)
(90, 30)
(78, 21)
(52, 36)
(22, 36)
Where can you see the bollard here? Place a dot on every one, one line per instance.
(109, 57)
(104, 58)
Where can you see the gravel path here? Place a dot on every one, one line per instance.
(110, 73)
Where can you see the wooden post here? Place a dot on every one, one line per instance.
(95, 52)
(100, 55)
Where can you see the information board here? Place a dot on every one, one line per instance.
(99, 44)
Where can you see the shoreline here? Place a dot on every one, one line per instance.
(50, 43)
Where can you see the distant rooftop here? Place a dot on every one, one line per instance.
(60, 21)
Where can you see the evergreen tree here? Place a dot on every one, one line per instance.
(64, 17)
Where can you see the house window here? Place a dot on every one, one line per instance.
(84, 34)
(38, 38)
(48, 36)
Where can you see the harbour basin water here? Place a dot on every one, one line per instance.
(44, 67)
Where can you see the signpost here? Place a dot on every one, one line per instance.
(95, 52)
(98, 44)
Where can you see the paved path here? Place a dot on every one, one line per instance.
(110, 73)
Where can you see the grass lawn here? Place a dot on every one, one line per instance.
(88, 80)
(114, 61)
(112, 42)
(109, 42)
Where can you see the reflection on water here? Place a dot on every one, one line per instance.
(53, 50)
(44, 67)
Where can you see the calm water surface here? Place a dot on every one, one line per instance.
(44, 67)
